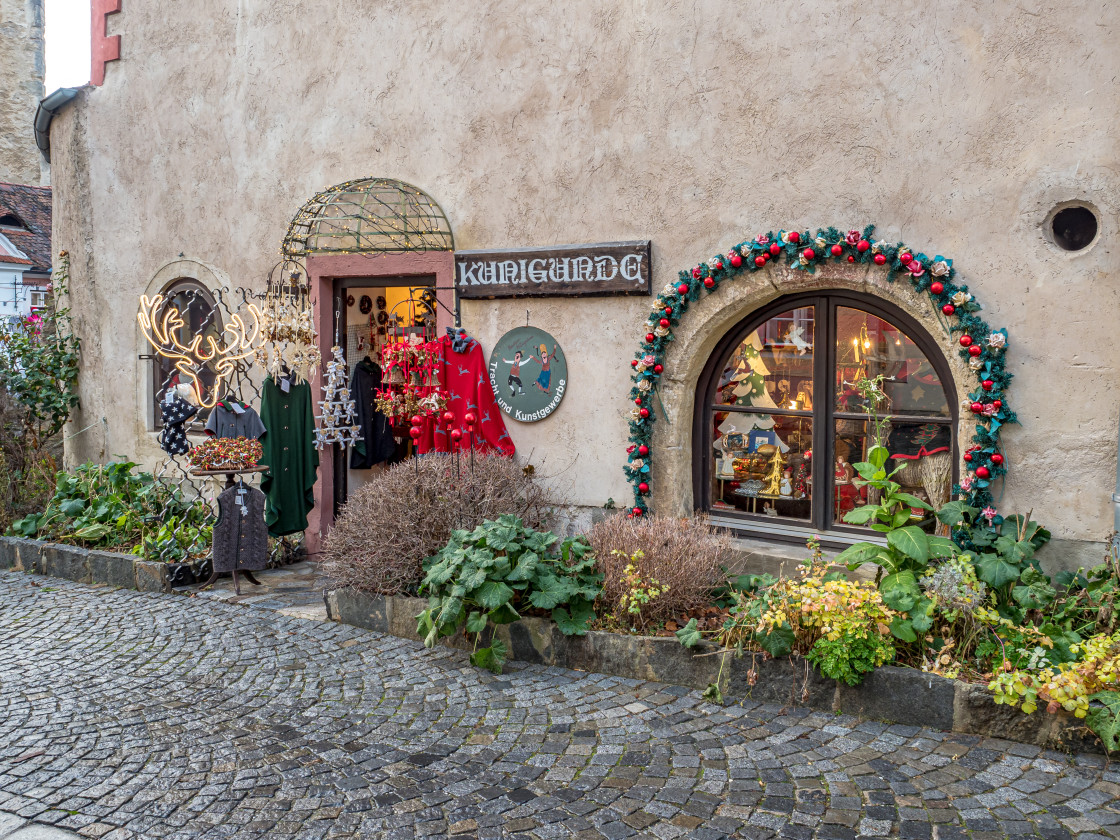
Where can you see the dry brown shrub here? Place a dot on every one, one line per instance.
(407, 513)
(686, 554)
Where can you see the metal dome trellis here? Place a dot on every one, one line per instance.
(368, 215)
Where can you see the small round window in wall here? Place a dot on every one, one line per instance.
(1074, 228)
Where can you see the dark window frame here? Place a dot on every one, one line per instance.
(158, 374)
(825, 303)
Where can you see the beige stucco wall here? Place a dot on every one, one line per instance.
(954, 126)
(21, 88)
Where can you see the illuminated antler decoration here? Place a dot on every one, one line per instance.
(161, 327)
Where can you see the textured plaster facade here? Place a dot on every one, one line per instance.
(21, 87)
(694, 124)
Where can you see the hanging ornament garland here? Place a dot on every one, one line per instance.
(982, 347)
(290, 341)
(337, 422)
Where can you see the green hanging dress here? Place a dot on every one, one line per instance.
(290, 455)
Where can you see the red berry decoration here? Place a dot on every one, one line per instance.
(794, 237)
(634, 362)
(880, 259)
(987, 384)
(808, 254)
(948, 309)
(664, 322)
(775, 249)
(968, 456)
(658, 368)
(643, 450)
(649, 338)
(862, 245)
(643, 488)
(982, 472)
(469, 418)
(760, 261)
(997, 459)
(966, 340)
(644, 413)
(709, 282)
(977, 408)
(975, 350)
(696, 271)
(851, 258)
(682, 289)
(905, 259)
(937, 287)
(836, 250)
(736, 260)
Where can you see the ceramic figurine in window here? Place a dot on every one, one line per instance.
(787, 484)
(844, 472)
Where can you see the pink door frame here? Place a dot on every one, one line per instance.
(322, 271)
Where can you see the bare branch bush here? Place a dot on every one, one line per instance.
(684, 554)
(407, 513)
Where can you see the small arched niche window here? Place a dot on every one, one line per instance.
(200, 316)
(12, 222)
(798, 392)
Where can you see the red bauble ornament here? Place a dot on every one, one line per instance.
(968, 456)
(664, 322)
(643, 450)
(966, 340)
(851, 258)
(880, 259)
(948, 309)
(414, 432)
(736, 260)
(760, 261)
(998, 403)
(415, 420)
(775, 249)
(987, 384)
(658, 368)
(709, 282)
(937, 287)
(643, 488)
(448, 417)
(905, 259)
(982, 472)
(975, 350)
(862, 245)
(794, 237)
(808, 254)
(637, 511)
(668, 310)
(644, 413)
(469, 418)
(682, 289)
(696, 271)
(649, 338)
(633, 363)
(637, 400)
(977, 408)
(766, 256)
(836, 250)
(717, 266)
(997, 459)
(456, 434)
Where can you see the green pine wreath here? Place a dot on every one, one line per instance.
(983, 348)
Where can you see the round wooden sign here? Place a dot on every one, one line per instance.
(529, 374)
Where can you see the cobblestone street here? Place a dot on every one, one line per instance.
(134, 715)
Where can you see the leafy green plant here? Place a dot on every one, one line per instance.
(498, 571)
(110, 506)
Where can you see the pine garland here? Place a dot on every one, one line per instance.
(983, 348)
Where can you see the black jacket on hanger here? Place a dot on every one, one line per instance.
(377, 444)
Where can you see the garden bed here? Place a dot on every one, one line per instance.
(84, 565)
(899, 695)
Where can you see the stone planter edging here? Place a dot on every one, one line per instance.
(895, 694)
(83, 565)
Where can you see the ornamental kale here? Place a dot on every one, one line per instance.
(493, 574)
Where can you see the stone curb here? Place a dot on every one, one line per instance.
(83, 565)
(898, 695)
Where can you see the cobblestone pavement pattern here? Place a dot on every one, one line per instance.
(134, 715)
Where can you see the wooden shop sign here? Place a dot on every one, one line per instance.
(609, 268)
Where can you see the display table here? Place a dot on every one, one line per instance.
(230, 482)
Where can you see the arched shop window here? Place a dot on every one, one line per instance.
(200, 316)
(781, 419)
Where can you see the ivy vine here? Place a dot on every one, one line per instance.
(982, 347)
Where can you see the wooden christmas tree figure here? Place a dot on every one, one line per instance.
(774, 477)
(337, 422)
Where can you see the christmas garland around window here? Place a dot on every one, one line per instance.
(980, 346)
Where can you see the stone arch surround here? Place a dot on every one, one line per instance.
(709, 319)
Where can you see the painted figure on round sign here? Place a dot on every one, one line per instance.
(515, 374)
(545, 360)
